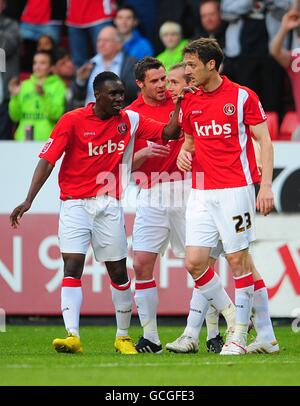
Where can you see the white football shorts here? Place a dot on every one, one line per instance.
(225, 214)
(99, 221)
(160, 218)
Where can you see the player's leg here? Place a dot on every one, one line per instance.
(201, 234)
(122, 300)
(146, 299)
(74, 238)
(265, 341)
(234, 216)
(71, 299)
(109, 243)
(150, 238)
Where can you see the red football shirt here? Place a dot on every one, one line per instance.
(98, 153)
(86, 13)
(157, 169)
(219, 122)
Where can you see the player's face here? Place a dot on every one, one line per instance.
(176, 82)
(110, 98)
(41, 66)
(195, 70)
(154, 85)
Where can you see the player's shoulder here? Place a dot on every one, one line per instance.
(73, 115)
(246, 90)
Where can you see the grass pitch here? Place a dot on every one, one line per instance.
(27, 358)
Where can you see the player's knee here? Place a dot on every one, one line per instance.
(238, 263)
(143, 271)
(73, 268)
(195, 268)
(119, 276)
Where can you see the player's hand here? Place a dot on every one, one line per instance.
(187, 89)
(265, 200)
(84, 71)
(184, 161)
(14, 86)
(18, 213)
(156, 150)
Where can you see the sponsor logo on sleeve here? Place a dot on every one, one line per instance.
(47, 145)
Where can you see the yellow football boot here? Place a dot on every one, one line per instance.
(125, 345)
(70, 344)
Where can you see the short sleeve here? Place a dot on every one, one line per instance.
(57, 143)
(150, 129)
(253, 110)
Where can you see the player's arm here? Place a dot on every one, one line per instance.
(40, 175)
(257, 152)
(152, 150)
(184, 159)
(265, 198)
(172, 130)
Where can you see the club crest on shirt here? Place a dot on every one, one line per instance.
(122, 128)
(229, 109)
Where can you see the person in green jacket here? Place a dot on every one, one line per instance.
(170, 34)
(38, 102)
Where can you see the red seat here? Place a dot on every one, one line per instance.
(273, 124)
(288, 125)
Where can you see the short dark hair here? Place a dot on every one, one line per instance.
(103, 77)
(46, 52)
(206, 49)
(144, 65)
(130, 8)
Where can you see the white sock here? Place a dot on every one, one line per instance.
(211, 287)
(71, 299)
(198, 309)
(262, 321)
(212, 322)
(146, 299)
(122, 300)
(244, 288)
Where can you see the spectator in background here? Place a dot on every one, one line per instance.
(46, 43)
(134, 44)
(171, 35)
(146, 11)
(289, 60)
(211, 23)
(86, 18)
(252, 25)
(110, 57)
(39, 101)
(40, 18)
(183, 12)
(10, 43)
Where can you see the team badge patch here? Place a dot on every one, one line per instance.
(229, 109)
(122, 128)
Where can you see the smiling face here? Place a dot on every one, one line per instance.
(110, 97)
(154, 85)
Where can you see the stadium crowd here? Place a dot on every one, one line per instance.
(58, 47)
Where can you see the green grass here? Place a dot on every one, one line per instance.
(27, 358)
